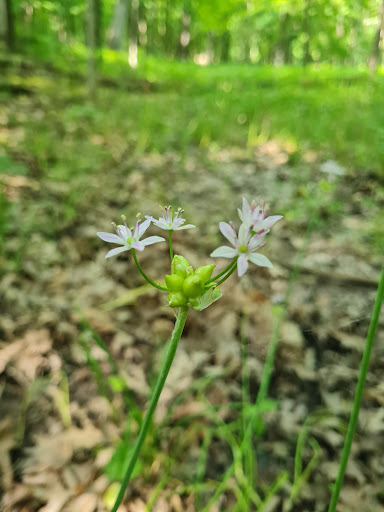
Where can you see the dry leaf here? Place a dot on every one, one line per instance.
(27, 354)
(86, 502)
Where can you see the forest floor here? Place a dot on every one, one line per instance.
(68, 168)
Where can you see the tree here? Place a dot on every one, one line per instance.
(133, 22)
(185, 30)
(116, 30)
(91, 41)
(7, 31)
(376, 47)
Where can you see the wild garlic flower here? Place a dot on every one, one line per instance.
(256, 217)
(129, 238)
(245, 244)
(170, 221)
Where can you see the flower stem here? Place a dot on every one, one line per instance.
(145, 275)
(358, 394)
(170, 244)
(229, 273)
(176, 335)
(223, 271)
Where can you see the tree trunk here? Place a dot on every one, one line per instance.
(283, 45)
(185, 31)
(307, 31)
(247, 50)
(133, 20)
(91, 43)
(225, 46)
(168, 29)
(142, 25)
(376, 47)
(210, 48)
(7, 32)
(116, 30)
(151, 17)
(98, 23)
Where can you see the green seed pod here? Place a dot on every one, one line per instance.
(204, 273)
(192, 287)
(174, 283)
(177, 299)
(180, 265)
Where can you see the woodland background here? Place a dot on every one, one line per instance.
(114, 107)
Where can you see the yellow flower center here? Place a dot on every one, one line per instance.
(243, 248)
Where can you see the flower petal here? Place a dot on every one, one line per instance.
(152, 240)
(188, 226)
(244, 234)
(228, 232)
(224, 252)
(115, 251)
(270, 221)
(246, 209)
(260, 259)
(242, 265)
(257, 241)
(110, 237)
(139, 246)
(141, 228)
(161, 224)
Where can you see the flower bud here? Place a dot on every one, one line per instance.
(192, 287)
(174, 283)
(179, 266)
(177, 299)
(205, 272)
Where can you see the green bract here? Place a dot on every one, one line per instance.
(210, 296)
(188, 286)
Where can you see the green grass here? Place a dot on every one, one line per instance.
(337, 113)
(333, 110)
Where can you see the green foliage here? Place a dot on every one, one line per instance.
(9, 166)
(260, 31)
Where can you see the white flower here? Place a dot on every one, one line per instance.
(169, 221)
(256, 217)
(244, 246)
(127, 238)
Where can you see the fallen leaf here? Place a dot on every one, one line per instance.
(27, 354)
(87, 502)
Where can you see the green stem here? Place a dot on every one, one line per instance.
(145, 275)
(229, 273)
(176, 335)
(223, 271)
(170, 244)
(358, 394)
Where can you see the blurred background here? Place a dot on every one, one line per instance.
(111, 107)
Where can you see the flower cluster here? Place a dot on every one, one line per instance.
(255, 226)
(196, 288)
